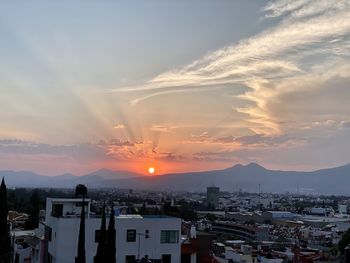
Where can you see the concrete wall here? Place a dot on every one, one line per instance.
(63, 245)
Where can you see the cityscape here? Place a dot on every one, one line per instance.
(175, 131)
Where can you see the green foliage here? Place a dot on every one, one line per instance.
(211, 217)
(334, 251)
(102, 242)
(5, 242)
(19, 198)
(345, 240)
(33, 210)
(184, 211)
(111, 239)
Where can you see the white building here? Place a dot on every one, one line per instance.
(22, 245)
(343, 209)
(136, 236)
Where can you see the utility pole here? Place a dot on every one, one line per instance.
(146, 235)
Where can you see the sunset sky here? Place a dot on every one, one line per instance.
(179, 85)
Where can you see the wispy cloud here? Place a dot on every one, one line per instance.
(119, 126)
(308, 36)
(164, 128)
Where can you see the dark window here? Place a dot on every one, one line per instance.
(130, 235)
(185, 258)
(49, 233)
(130, 259)
(49, 258)
(166, 258)
(57, 210)
(169, 236)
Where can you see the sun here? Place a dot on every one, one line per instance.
(151, 170)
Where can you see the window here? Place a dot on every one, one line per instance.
(48, 233)
(130, 259)
(49, 258)
(57, 210)
(169, 236)
(166, 258)
(130, 235)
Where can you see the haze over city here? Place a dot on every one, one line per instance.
(175, 131)
(177, 86)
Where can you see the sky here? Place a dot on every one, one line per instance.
(179, 85)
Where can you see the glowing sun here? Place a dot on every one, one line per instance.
(151, 170)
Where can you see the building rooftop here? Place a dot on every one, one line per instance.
(68, 200)
(143, 217)
(157, 216)
(129, 217)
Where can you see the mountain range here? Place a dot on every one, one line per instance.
(250, 178)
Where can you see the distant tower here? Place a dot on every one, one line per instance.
(213, 196)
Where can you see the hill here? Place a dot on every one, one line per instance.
(244, 177)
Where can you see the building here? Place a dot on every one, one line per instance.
(319, 211)
(273, 216)
(197, 248)
(245, 232)
(343, 209)
(23, 243)
(158, 237)
(213, 196)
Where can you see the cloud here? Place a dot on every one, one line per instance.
(85, 152)
(116, 142)
(119, 126)
(199, 138)
(162, 128)
(345, 124)
(304, 8)
(256, 141)
(306, 39)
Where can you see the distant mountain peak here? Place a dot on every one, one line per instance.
(255, 165)
(248, 166)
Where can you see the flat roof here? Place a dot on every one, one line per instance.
(323, 219)
(68, 200)
(129, 217)
(158, 216)
(145, 217)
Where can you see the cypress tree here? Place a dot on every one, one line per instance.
(5, 241)
(111, 243)
(102, 242)
(34, 211)
(81, 258)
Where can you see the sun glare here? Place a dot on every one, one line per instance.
(151, 170)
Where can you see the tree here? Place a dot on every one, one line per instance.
(345, 240)
(81, 258)
(102, 241)
(111, 245)
(34, 210)
(5, 241)
(210, 217)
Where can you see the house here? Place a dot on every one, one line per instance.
(136, 235)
